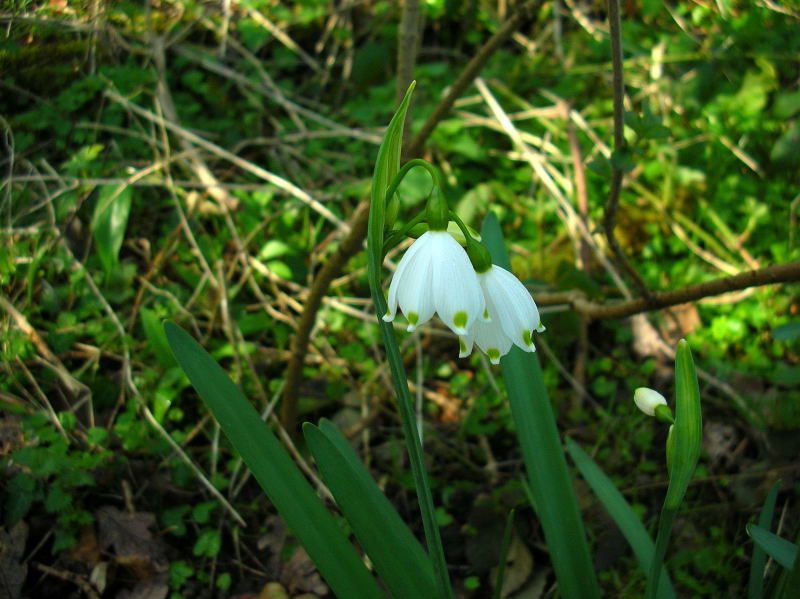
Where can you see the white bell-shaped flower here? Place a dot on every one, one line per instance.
(512, 315)
(436, 276)
(647, 400)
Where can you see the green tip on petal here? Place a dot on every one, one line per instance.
(462, 347)
(413, 319)
(494, 355)
(526, 338)
(486, 316)
(460, 319)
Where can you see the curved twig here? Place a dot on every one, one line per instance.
(770, 275)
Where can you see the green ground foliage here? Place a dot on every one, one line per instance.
(123, 204)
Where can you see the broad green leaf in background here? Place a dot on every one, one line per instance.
(550, 480)
(621, 512)
(399, 559)
(787, 332)
(156, 341)
(109, 222)
(284, 484)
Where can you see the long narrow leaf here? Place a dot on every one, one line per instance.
(398, 557)
(621, 512)
(782, 551)
(755, 590)
(550, 480)
(284, 484)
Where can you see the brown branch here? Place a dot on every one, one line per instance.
(610, 214)
(770, 275)
(352, 243)
(329, 271)
(407, 44)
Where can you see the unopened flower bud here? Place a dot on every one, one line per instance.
(647, 400)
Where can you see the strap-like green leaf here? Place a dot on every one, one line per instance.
(621, 512)
(755, 589)
(550, 480)
(684, 447)
(275, 471)
(782, 551)
(398, 557)
(683, 450)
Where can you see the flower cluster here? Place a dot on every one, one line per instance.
(490, 308)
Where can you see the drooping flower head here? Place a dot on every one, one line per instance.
(435, 276)
(512, 316)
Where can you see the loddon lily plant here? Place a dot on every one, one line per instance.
(465, 278)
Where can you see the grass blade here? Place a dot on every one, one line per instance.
(399, 559)
(550, 480)
(621, 512)
(275, 471)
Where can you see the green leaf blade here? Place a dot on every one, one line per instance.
(621, 512)
(782, 551)
(109, 222)
(755, 588)
(399, 559)
(275, 471)
(549, 478)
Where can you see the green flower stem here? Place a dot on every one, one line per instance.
(464, 229)
(478, 254)
(417, 162)
(385, 182)
(665, 523)
(397, 236)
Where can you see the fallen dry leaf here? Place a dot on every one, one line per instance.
(300, 574)
(132, 543)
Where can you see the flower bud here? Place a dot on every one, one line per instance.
(647, 400)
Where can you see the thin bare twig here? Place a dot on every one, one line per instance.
(610, 215)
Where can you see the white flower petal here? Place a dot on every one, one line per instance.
(407, 259)
(457, 293)
(511, 306)
(464, 346)
(414, 289)
(490, 339)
